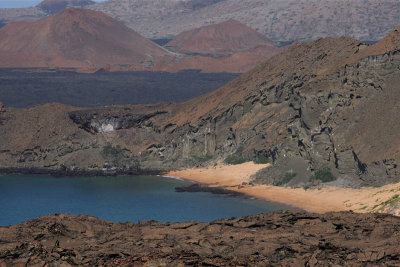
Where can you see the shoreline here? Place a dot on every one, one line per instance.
(236, 178)
(384, 199)
(79, 172)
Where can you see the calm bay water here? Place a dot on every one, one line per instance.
(118, 199)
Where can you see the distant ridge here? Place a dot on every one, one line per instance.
(280, 20)
(54, 6)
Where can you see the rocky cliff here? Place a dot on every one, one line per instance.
(324, 107)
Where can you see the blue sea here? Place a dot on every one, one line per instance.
(117, 199)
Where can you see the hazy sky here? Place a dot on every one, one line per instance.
(22, 3)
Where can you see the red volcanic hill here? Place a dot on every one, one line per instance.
(54, 6)
(218, 39)
(77, 38)
(229, 46)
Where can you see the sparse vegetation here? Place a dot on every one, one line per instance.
(379, 192)
(391, 202)
(238, 157)
(235, 159)
(260, 159)
(116, 157)
(202, 158)
(375, 206)
(112, 151)
(306, 186)
(287, 177)
(324, 175)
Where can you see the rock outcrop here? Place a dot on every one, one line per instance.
(271, 239)
(111, 119)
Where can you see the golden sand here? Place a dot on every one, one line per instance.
(232, 177)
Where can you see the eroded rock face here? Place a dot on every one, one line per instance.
(278, 239)
(109, 120)
(303, 123)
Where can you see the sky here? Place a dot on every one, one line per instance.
(22, 3)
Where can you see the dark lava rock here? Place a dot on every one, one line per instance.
(270, 239)
(193, 188)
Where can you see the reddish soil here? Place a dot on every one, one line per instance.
(75, 38)
(229, 46)
(219, 39)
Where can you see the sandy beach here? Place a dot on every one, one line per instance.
(232, 177)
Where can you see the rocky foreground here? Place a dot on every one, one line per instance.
(278, 239)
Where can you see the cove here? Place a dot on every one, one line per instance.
(117, 199)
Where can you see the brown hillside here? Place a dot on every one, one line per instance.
(391, 42)
(301, 59)
(75, 38)
(218, 39)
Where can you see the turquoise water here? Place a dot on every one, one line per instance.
(118, 199)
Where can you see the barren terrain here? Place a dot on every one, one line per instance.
(278, 239)
(76, 38)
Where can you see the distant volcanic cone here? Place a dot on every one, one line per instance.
(75, 38)
(219, 39)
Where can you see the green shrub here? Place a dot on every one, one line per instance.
(235, 159)
(324, 175)
(240, 149)
(260, 159)
(114, 154)
(287, 177)
(111, 151)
